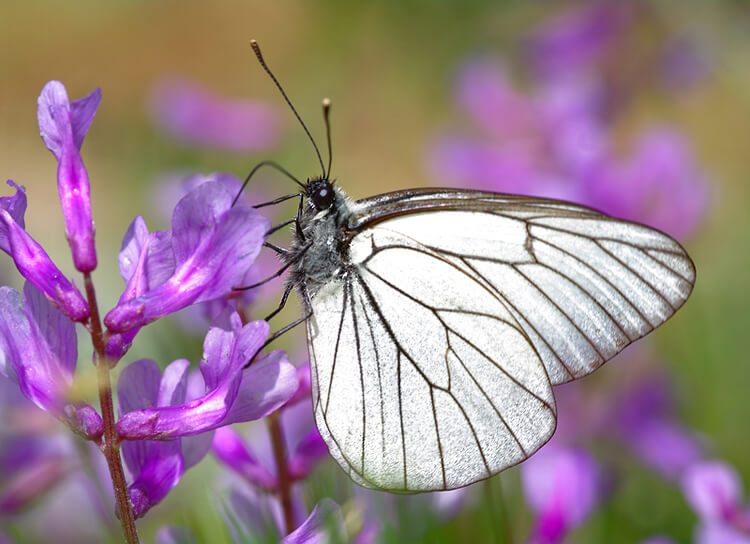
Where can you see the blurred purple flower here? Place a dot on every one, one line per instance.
(647, 425)
(174, 535)
(256, 463)
(33, 262)
(659, 184)
(325, 524)
(555, 143)
(209, 250)
(39, 350)
(578, 37)
(714, 491)
(189, 112)
(231, 392)
(63, 125)
(562, 486)
(33, 457)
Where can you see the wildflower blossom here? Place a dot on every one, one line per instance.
(63, 126)
(562, 486)
(232, 393)
(196, 115)
(208, 251)
(714, 491)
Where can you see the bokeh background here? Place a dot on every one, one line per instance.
(407, 113)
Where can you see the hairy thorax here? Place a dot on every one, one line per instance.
(327, 233)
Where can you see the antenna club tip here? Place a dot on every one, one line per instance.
(253, 43)
(326, 102)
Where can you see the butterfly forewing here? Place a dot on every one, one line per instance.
(434, 355)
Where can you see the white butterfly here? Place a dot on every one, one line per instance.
(438, 320)
(441, 319)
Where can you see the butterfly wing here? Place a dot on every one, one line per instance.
(433, 358)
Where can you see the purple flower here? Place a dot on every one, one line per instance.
(32, 261)
(256, 462)
(232, 393)
(193, 114)
(562, 486)
(230, 448)
(63, 126)
(577, 38)
(646, 424)
(325, 524)
(714, 491)
(156, 466)
(170, 189)
(659, 184)
(40, 351)
(555, 143)
(209, 250)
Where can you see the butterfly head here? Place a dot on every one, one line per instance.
(320, 193)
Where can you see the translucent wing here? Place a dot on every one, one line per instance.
(433, 357)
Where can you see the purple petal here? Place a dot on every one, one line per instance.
(266, 386)
(214, 245)
(659, 185)
(173, 383)
(561, 486)
(174, 535)
(309, 452)
(137, 388)
(578, 37)
(713, 490)
(62, 128)
(195, 448)
(209, 411)
(53, 125)
(195, 115)
(31, 482)
(36, 266)
(229, 448)
(303, 390)
(16, 206)
(161, 471)
(37, 353)
(489, 99)
(325, 524)
(720, 533)
(85, 420)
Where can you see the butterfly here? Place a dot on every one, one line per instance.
(438, 320)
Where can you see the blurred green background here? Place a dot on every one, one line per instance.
(389, 68)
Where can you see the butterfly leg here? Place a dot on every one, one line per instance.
(274, 336)
(280, 271)
(284, 297)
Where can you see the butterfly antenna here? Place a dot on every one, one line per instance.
(326, 114)
(258, 54)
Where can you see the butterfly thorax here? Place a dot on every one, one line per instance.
(321, 252)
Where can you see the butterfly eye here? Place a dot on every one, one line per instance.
(322, 198)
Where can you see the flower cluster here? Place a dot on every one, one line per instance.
(166, 419)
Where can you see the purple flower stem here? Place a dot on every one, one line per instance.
(111, 446)
(285, 482)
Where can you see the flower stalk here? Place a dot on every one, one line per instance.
(285, 482)
(110, 446)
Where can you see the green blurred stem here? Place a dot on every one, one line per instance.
(285, 483)
(110, 446)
